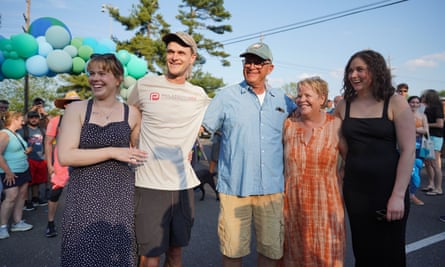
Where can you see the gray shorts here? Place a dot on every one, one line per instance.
(162, 219)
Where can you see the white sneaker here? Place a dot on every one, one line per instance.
(21, 227)
(4, 232)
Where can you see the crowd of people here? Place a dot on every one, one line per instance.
(289, 167)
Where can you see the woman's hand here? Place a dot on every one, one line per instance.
(131, 155)
(10, 178)
(395, 209)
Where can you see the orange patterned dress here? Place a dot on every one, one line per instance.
(313, 205)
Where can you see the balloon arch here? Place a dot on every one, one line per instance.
(48, 49)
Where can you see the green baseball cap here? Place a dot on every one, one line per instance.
(259, 49)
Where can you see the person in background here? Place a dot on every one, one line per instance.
(329, 106)
(59, 174)
(98, 139)
(14, 175)
(172, 111)
(378, 145)
(421, 123)
(38, 105)
(402, 89)
(313, 205)
(250, 117)
(337, 100)
(4, 106)
(34, 136)
(435, 115)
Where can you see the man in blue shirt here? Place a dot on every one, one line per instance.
(250, 117)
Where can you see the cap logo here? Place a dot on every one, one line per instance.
(257, 46)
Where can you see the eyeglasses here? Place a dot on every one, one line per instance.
(105, 56)
(257, 63)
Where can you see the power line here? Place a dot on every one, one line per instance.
(313, 21)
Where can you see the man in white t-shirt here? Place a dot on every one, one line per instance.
(172, 112)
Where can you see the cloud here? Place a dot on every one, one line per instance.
(428, 61)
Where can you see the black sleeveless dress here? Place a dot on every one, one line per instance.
(370, 172)
(97, 227)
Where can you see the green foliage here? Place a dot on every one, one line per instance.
(78, 83)
(14, 91)
(150, 26)
(206, 81)
(197, 16)
(290, 89)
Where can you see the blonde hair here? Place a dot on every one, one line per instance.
(9, 116)
(319, 86)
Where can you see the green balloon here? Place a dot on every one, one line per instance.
(78, 65)
(25, 45)
(85, 52)
(77, 42)
(137, 67)
(14, 68)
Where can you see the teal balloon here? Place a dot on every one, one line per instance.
(14, 68)
(124, 56)
(59, 61)
(58, 36)
(110, 44)
(45, 48)
(78, 65)
(2, 57)
(5, 45)
(25, 45)
(36, 65)
(90, 41)
(85, 52)
(137, 67)
(102, 49)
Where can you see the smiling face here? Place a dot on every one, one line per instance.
(179, 61)
(359, 76)
(255, 70)
(102, 82)
(308, 100)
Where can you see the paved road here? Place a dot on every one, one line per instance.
(425, 237)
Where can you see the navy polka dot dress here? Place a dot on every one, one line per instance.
(97, 227)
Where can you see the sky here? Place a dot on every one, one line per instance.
(410, 34)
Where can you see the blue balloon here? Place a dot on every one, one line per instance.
(45, 48)
(36, 65)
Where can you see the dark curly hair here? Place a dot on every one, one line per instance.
(381, 84)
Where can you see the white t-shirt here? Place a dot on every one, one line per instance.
(171, 117)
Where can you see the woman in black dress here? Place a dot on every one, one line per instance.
(378, 144)
(97, 139)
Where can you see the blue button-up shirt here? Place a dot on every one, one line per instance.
(251, 150)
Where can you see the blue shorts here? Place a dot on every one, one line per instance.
(22, 178)
(438, 142)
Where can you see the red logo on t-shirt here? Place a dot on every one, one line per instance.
(154, 96)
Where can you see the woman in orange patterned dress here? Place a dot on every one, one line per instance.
(313, 205)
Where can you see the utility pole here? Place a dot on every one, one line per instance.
(26, 78)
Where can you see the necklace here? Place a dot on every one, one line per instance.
(102, 112)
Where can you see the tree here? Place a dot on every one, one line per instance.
(195, 15)
(78, 83)
(150, 26)
(43, 87)
(290, 89)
